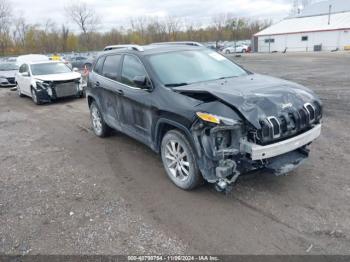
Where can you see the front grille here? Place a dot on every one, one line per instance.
(311, 111)
(65, 89)
(276, 127)
(287, 124)
(11, 80)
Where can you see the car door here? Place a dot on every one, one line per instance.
(107, 88)
(27, 80)
(24, 79)
(19, 76)
(136, 102)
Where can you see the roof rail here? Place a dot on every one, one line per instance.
(179, 43)
(131, 47)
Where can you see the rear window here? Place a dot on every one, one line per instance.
(99, 65)
(111, 67)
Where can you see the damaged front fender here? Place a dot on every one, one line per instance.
(218, 151)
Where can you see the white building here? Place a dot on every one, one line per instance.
(325, 24)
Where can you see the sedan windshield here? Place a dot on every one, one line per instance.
(187, 67)
(8, 66)
(50, 69)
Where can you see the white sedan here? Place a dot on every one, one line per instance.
(45, 81)
(237, 49)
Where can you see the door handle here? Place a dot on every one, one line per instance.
(97, 84)
(119, 92)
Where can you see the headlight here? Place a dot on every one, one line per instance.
(42, 85)
(3, 80)
(216, 119)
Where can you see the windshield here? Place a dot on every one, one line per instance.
(8, 66)
(50, 68)
(187, 67)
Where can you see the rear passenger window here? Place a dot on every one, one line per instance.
(98, 65)
(110, 67)
(132, 67)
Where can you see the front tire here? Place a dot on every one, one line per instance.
(179, 161)
(227, 52)
(100, 128)
(35, 97)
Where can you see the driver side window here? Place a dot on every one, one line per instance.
(23, 68)
(132, 67)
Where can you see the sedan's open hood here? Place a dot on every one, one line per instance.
(58, 77)
(254, 96)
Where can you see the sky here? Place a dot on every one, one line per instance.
(116, 13)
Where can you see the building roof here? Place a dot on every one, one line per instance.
(322, 8)
(317, 23)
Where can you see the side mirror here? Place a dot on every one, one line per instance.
(25, 74)
(75, 69)
(142, 82)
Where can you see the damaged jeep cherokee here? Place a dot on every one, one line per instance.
(207, 117)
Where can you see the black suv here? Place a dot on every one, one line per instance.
(207, 117)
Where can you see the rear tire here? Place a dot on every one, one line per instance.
(19, 91)
(99, 126)
(179, 161)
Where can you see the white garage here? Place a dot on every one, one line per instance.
(323, 26)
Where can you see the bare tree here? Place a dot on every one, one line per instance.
(85, 17)
(5, 20)
(173, 26)
(64, 36)
(219, 23)
(20, 30)
(5, 13)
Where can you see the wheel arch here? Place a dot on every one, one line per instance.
(90, 99)
(164, 125)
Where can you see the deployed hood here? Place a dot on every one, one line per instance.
(7, 74)
(58, 77)
(255, 96)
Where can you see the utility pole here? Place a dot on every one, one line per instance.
(329, 14)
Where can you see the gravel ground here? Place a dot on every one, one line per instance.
(65, 191)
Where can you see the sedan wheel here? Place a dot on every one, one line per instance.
(19, 91)
(179, 160)
(35, 98)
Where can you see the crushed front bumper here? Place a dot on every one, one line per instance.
(258, 152)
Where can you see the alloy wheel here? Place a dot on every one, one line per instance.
(177, 160)
(96, 120)
(34, 96)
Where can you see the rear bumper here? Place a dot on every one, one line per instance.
(258, 152)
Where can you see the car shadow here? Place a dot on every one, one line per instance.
(134, 162)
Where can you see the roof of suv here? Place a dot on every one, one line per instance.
(154, 49)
